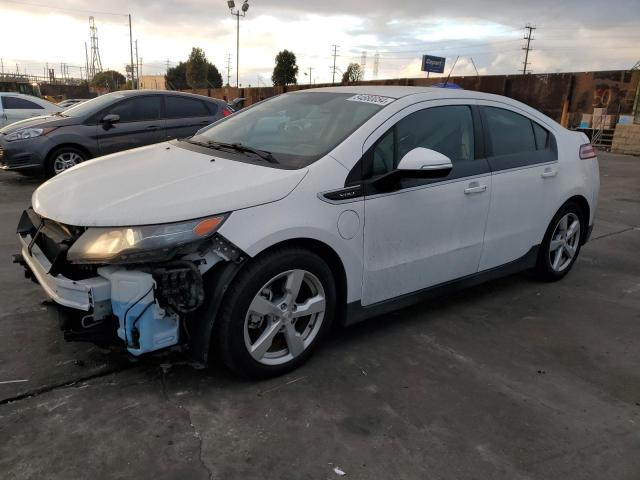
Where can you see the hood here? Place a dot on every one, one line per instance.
(158, 184)
(39, 122)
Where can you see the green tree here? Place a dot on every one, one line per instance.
(354, 73)
(286, 70)
(108, 79)
(214, 79)
(176, 77)
(197, 67)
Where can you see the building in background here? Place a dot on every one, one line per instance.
(152, 82)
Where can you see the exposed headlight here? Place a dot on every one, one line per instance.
(148, 243)
(28, 133)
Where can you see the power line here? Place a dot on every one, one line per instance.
(75, 10)
(527, 48)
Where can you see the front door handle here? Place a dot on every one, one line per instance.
(475, 187)
(549, 172)
(152, 127)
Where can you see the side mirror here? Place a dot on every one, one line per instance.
(110, 119)
(423, 162)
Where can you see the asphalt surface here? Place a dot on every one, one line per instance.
(514, 379)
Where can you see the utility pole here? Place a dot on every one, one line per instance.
(1, 66)
(335, 54)
(137, 67)
(228, 69)
(86, 61)
(363, 63)
(131, 52)
(527, 48)
(310, 69)
(376, 65)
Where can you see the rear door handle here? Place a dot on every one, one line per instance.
(475, 187)
(549, 172)
(152, 127)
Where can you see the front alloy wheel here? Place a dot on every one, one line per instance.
(275, 312)
(284, 317)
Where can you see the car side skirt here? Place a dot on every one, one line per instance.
(356, 312)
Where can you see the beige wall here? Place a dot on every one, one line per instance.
(627, 139)
(152, 82)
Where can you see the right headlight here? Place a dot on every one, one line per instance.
(148, 243)
(26, 133)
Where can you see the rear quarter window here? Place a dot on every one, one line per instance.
(183, 107)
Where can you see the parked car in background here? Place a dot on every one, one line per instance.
(106, 124)
(252, 237)
(69, 102)
(16, 106)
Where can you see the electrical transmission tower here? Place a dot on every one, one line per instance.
(335, 54)
(527, 48)
(95, 65)
(363, 63)
(376, 65)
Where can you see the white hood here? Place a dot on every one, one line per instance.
(158, 184)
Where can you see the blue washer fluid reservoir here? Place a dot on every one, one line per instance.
(143, 325)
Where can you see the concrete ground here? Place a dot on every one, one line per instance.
(514, 379)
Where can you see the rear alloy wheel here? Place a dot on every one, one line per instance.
(561, 244)
(276, 312)
(64, 159)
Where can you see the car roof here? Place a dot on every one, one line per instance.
(134, 93)
(395, 91)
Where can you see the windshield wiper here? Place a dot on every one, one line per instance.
(238, 147)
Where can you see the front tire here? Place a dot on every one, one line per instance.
(63, 159)
(275, 313)
(561, 244)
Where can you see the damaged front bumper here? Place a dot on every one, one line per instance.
(140, 306)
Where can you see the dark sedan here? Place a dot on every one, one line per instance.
(106, 124)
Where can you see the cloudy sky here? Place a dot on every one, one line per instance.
(571, 35)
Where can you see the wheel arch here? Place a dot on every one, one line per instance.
(223, 274)
(330, 256)
(77, 146)
(583, 203)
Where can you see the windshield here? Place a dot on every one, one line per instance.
(91, 106)
(296, 128)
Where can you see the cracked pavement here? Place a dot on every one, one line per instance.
(514, 379)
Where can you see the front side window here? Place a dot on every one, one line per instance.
(15, 103)
(137, 109)
(297, 128)
(447, 130)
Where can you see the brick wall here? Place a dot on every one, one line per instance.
(626, 139)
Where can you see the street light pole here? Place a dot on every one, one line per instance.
(239, 12)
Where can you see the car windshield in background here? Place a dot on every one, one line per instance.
(91, 106)
(296, 128)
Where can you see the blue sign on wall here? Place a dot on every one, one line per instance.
(433, 64)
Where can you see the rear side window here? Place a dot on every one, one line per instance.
(15, 103)
(509, 132)
(180, 107)
(137, 109)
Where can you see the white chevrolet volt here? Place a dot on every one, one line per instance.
(250, 239)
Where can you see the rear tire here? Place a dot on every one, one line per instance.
(262, 330)
(561, 244)
(62, 159)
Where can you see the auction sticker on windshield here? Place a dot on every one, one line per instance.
(375, 99)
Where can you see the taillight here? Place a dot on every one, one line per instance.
(587, 151)
(226, 112)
